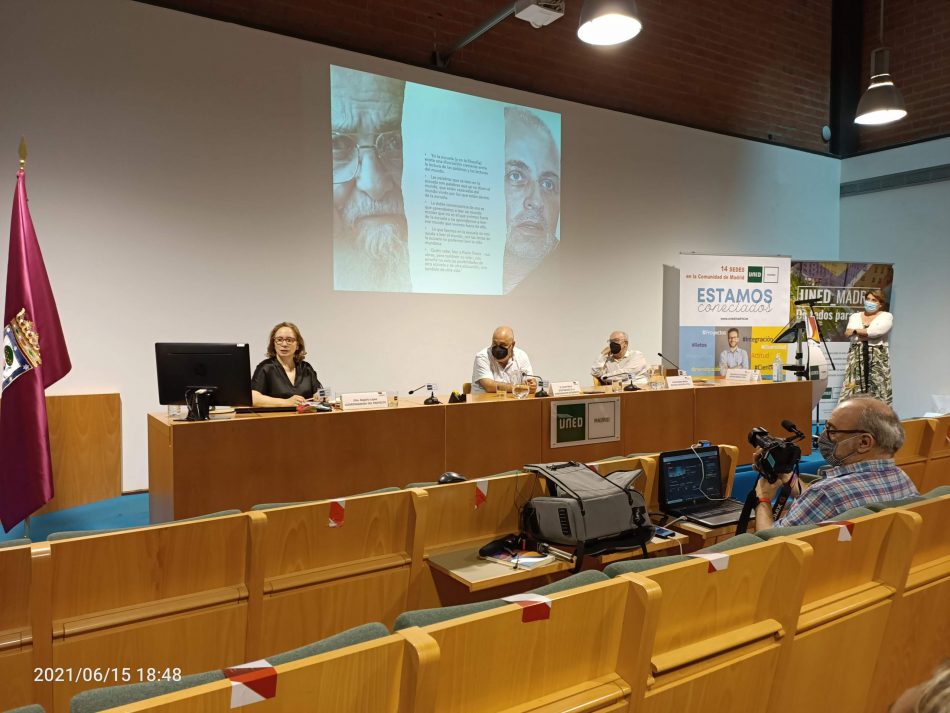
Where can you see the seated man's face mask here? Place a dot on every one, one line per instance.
(499, 351)
(615, 347)
(828, 449)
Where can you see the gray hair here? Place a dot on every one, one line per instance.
(935, 693)
(881, 421)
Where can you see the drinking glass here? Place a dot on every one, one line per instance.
(521, 390)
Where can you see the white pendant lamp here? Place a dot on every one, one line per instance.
(882, 103)
(609, 22)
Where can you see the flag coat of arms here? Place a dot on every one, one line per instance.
(34, 357)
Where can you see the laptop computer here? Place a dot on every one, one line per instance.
(691, 487)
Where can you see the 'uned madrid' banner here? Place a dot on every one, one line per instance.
(731, 307)
(839, 289)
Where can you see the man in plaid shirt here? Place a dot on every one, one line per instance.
(859, 442)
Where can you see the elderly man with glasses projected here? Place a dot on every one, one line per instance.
(370, 244)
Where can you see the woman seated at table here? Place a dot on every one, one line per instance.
(284, 378)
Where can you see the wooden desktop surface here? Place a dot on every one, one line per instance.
(201, 467)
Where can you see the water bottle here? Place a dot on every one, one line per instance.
(777, 371)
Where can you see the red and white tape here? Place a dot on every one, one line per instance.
(845, 528)
(337, 513)
(718, 561)
(251, 682)
(534, 607)
(481, 493)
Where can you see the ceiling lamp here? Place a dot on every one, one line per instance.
(609, 22)
(882, 103)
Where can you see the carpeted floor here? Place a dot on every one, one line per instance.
(123, 511)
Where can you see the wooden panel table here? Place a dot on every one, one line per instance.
(725, 413)
(196, 468)
(490, 435)
(201, 467)
(479, 575)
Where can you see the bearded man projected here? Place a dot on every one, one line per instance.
(369, 221)
(532, 194)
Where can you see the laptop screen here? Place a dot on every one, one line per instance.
(688, 477)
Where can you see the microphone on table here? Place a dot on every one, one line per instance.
(625, 376)
(669, 361)
(431, 400)
(540, 393)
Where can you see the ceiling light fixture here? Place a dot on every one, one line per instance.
(882, 103)
(609, 22)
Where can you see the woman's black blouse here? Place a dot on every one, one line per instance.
(270, 379)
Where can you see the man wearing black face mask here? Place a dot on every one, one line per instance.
(500, 366)
(859, 442)
(616, 361)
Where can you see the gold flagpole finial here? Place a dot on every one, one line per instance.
(22, 153)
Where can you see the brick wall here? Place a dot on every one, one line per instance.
(918, 33)
(754, 68)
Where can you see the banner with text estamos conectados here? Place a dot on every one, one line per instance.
(731, 307)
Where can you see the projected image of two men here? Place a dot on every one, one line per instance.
(437, 191)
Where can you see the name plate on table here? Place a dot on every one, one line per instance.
(679, 382)
(576, 423)
(363, 400)
(565, 388)
(740, 374)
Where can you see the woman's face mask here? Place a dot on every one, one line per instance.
(870, 306)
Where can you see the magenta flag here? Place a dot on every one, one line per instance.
(35, 357)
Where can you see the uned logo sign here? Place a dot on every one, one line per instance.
(755, 273)
(571, 422)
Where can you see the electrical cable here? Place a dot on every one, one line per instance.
(703, 479)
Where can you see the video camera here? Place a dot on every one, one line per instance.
(779, 455)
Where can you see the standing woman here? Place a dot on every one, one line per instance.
(284, 378)
(869, 362)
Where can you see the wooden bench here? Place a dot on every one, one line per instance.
(855, 573)
(320, 579)
(918, 628)
(720, 632)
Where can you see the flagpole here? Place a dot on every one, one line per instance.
(22, 152)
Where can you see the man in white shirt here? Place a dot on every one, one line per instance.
(500, 366)
(734, 357)
(617, 361)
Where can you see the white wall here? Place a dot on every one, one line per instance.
(180, 188)
(911, 228)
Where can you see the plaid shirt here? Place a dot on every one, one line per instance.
(846, 487)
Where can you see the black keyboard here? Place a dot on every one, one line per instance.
(724, 509)
(265, 409)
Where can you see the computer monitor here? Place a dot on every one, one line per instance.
(689, 476)
(224, 370)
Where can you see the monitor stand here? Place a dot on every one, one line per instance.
(199, 400)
